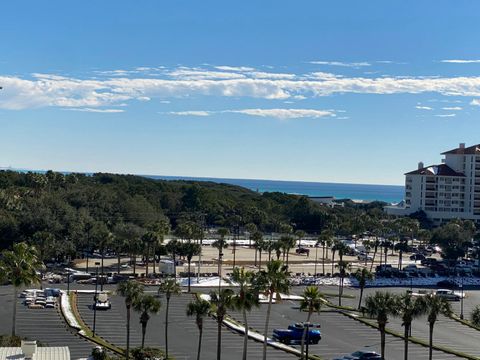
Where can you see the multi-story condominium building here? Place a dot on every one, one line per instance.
(445, 191)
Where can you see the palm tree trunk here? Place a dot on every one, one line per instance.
(189, 262)
(166, 327)
(199, 342)
(134, 264)
(153, 263)
(304, 335)
(430, 344)
(245, 337)
(382, 340)
(118, 263)
(86, 270)
(219, 337)
(269, 308)
(144, 330)
(373, 258)
(15, 291)
(323, 260)
(405, 339)
(260, 260)
(255, 264)
(128, 333)
(360, 299)
(146, 261)
(333, 262)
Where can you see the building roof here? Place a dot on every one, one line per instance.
(436, 170)
(471, 150)
(42, 353)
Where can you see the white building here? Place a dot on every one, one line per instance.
(446, 191)
(30, 351)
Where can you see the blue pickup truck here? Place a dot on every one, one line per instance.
(293, 334)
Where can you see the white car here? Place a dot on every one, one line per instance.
(450, 295)
(102, 302)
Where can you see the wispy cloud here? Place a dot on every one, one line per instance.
(475, 102)
(445, 115)
(419, 107)
(341, 63)
(234, 68)
(452, 108)
(92, 110)
(191, 113)
(461, 61)
(285, 114)
(282, 114)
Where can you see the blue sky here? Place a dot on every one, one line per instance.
(335, 91)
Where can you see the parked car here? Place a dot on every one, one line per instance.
(361, 355)
(302, 250)
(364, 257)
(449, 295)
(102, 302)
(293, 334)
(417, 256)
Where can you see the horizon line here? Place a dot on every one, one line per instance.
(206, 178)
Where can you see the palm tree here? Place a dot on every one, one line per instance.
(252, 229)
(168, 287)
(312, 302)
(131, 291)
(381, 305)
(342, 267)
(362, 276)
(146, 305)
(221, 302)
(273, 280)
(199, 308)
(475, 316)
(173, 247)
(190, 250)
(220, 244)
(287, 242)
(21, 266)
(325, 239)
(409, 308)
(435, 305)
(401, 247)
(259, 245)
(245, 299)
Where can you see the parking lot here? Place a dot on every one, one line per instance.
(340, 334)
(44, 325)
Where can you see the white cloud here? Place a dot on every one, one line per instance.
(285, 114)
(282, 114)
(191, 113)
(419, 107)
(475, 102)
(452, 108)
(460, 61)
(234, 68)
(341, 63)
(43, 90)
(446, 115)
(109, 111)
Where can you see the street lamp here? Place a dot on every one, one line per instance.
(220, 255)
(316, 259)
(97, 264)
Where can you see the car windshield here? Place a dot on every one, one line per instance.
(358, 353)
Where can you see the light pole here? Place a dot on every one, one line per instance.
(68, 283)
(220, 255)
(95, 299)
(316, 259)
(461, 300)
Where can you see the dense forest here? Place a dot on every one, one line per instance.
(66, 213)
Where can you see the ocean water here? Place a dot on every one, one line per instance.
(386, 193)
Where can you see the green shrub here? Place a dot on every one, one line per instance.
(475, 316)
(147, 354)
